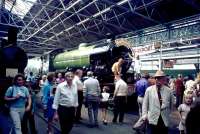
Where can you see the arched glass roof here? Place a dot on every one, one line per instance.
(45, 25)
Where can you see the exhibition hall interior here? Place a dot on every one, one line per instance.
(99, 66)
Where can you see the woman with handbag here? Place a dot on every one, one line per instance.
(17, 95)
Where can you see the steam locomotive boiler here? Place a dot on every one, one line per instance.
(97, 58)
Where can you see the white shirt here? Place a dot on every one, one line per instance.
(78, 82)
(65, 95)
(183, 109)
(121, 88)
(105, 97)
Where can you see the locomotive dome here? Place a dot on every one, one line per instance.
(82, 45)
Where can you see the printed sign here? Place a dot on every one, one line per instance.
(11, 72)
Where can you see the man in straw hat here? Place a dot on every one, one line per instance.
(157, 105)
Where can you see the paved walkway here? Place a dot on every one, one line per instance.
(117, 128)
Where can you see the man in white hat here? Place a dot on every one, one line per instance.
(157, 105)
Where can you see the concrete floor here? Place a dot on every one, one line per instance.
(125, 128)
(118, 128)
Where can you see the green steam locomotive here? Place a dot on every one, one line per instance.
(96, 58)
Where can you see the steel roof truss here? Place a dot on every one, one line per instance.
(133, 10)
(33, 20)
(117, 18)
(97, 26)
(99, 10)
(38, 13)
(13, 4)
(10, 16)
(68, 17)
(51, 21)
(145, 7)
(79, 18)
(65, 28)
(35, 42)
(6, 19)
(44, 38)
(62, 4)
(70, 6)
(2, 4)
(95, 15)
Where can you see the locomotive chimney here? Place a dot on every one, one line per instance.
(12, 36)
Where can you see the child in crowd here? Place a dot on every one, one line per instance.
(41, 85)
(184, 110)
(104, 103)
(50, 110)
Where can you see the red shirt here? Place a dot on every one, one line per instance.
(179, 87)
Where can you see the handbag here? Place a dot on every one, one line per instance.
(6, 107)
(140, 124)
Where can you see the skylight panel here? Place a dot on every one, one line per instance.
(19, 7)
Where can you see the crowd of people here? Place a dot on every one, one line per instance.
(157, 99)
(62, 98)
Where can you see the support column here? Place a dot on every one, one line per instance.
(160, 64)
(160, 59)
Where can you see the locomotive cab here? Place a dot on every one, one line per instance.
(122, 52)
(101, 63)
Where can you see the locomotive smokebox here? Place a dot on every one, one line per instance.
(14, 57)
(12, 35)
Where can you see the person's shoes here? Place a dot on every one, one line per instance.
(90, 125)
(105, 122)
(78, 122)
(121, 122)
(114, 121)
(96, 125)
